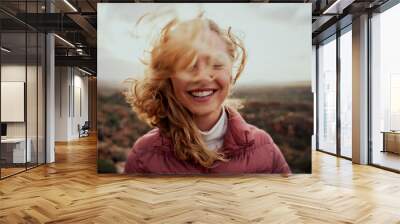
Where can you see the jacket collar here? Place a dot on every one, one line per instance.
(237, 135)
(238, 131)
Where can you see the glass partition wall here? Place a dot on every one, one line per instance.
(13, 110)
(22, 98)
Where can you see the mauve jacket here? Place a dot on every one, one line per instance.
(248, 148)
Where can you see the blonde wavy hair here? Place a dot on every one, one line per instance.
(153, 99)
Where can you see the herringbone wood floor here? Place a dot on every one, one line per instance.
(70, 191)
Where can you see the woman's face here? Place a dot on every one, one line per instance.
(203, 87)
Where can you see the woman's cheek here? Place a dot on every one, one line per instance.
(183, 77)
(225, 79)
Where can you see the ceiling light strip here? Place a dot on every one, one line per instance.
(338, 6)
(70, 5)
(84, 71)
(331, 7)
(64, 40)
(5, 49)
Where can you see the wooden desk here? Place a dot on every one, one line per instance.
(16, 147)
(391, 141)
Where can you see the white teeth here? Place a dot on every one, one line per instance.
(201, 93)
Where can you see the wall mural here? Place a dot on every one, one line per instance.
(199, 89)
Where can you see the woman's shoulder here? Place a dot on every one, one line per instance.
(260, 136)
(246, 131)
(135, 162)
(148, 140)
(267, 149)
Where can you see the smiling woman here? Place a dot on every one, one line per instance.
(188, 78)
(203, 87)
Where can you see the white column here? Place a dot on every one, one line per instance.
(360, 90)
(50, 94)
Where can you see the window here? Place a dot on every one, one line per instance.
(385, 89)
(327, 96)
(346, 93)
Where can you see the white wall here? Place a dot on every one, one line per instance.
(62, 80)
(33, 127)
(71, 93)
(12, 73)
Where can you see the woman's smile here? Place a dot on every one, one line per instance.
(202, 95)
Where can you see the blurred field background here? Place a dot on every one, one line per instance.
(285, 112)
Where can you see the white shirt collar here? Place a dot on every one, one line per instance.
(214, 138)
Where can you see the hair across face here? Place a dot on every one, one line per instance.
(189, 74)
(203, 85)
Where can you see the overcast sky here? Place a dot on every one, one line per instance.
(277, 38)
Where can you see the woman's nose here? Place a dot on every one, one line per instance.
(204, 71)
